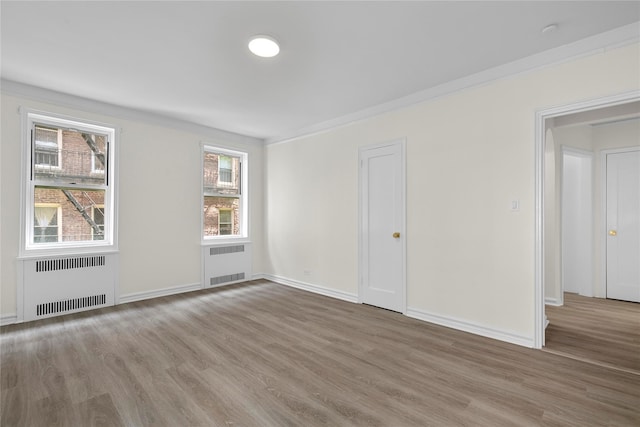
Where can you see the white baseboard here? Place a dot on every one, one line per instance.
(546, 321)
(139, 296)
(8, 319)
(473, 328)
(552, 301)
(411, 312)
(345, 296)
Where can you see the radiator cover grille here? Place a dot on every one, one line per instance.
(70, 304)
(221, 250)
(226, 278)
(69, 263)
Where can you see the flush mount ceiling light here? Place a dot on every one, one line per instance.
(264, 46)
(549, 29)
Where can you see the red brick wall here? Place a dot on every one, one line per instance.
(75, 162)
(74, 226)
(212, 204)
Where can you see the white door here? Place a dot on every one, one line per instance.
(382, 226)
(623, 226)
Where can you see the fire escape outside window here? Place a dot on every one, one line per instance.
(224, 200)
(69, 196)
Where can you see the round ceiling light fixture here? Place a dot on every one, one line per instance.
(264, 46)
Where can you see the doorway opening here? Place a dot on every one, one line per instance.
(571, 142)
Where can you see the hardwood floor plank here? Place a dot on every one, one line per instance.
(99, 411)
(596, 329)
(261, 354)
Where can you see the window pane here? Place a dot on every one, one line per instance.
(225, 169)
(98, 218)
(62, 155)
(76, 222)
(221, 174)
(46, 147)
(45, 224)
(221, 216)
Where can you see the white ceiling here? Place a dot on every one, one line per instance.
(189, 61)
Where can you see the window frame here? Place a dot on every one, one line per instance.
(29, 182)
(243, 196)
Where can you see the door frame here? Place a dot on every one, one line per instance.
(362, 180)
(603, 211)
(540, 130)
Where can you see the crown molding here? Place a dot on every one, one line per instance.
(598, 43)
(35, 93)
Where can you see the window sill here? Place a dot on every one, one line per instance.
(225, 241)
(63, 252)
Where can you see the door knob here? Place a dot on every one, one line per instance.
(396, 235)
(613, 233)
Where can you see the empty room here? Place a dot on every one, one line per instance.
(304, 213)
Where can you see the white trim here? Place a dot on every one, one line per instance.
(139, 296)
(8, 319)
(553, 301)
(576, 151)
(540, 132)
(316, 289)
(473, 328)
(35, 93)
(229, 241)
(603, 212)
(588, 46)
(78, 252)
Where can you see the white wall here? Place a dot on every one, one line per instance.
(470, 259)
(159, 200)
(577, 222)
(552, 211)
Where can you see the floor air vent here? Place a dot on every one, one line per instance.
(225, 264)
(70, 304)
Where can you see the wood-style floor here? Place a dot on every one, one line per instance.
(261, 354)
(597, 330)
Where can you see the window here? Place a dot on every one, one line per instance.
(97, 145)
(225, 221)
(97, 214)
(223, 193)
(46, 147)
(225, 170)
(46, 223)
(69, 191)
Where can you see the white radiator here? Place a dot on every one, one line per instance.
(54, 286)
(226, 264)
